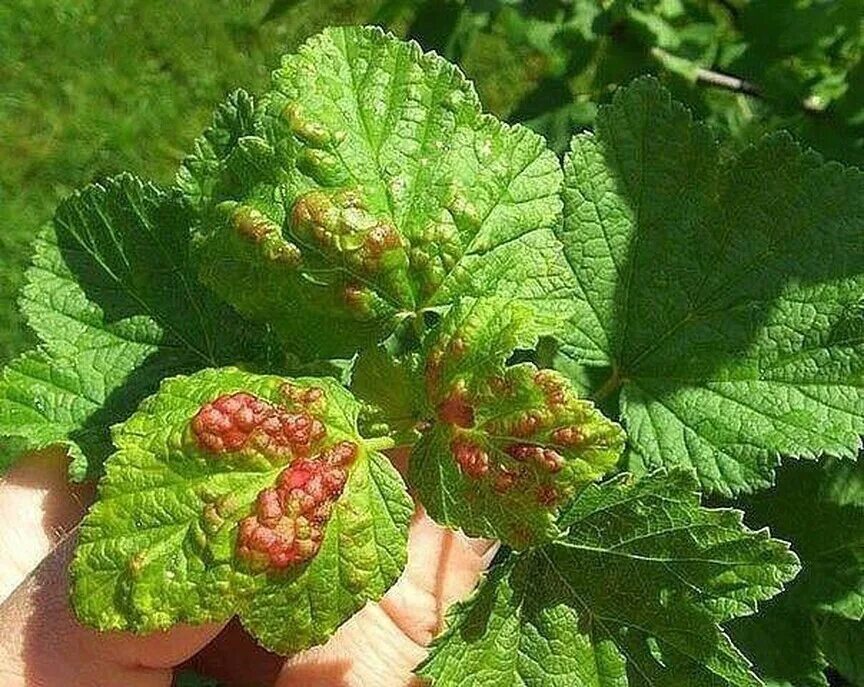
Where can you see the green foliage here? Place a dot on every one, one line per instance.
(159, 546)
(114, 301)
(725, 294)
(364, 219)
(820, 510)
(631, 595)
(75, 113)
(747, 66)
(843, 642)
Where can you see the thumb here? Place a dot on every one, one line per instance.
(383, 643)
(42, 645)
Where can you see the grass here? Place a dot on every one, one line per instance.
(91, 88)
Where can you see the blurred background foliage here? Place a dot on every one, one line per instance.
(88, 88)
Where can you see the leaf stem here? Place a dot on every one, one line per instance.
(609, 386)
(379, 443)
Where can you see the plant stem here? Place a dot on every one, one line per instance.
(609, 386)
(727, 81)
(379, 443)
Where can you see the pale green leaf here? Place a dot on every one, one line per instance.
(159, 546)
(367, 186)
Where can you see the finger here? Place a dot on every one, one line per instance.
(38, 506)
(41, 643)
(235, 659)
(383, 643)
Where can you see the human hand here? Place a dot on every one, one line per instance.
(41, 644)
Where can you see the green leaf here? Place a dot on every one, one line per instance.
(843, 642)
(631, 596)
(725, 293)
(509, 443)
(782, 643)
(366, 187)
(114, 300)
(162, 544)
(820, 509)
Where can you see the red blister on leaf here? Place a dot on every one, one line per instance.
(287, 526)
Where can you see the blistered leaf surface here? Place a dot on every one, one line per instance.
(366, 186)
(507, 444)
(232, 493)
(632, 595)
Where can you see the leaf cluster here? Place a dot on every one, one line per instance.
(506, 318)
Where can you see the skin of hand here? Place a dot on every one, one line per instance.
(41, 644)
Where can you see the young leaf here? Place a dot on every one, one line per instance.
(237, 493)
(114, 300)
(726, 294)
(632, 595)
(366, 187)
(508, 443)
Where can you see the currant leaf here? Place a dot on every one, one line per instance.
(233, 493)
(820, 510)
(508, 443)
(113, 298)
(782, 642)
(843, 643)
(367, 186)
(632, 595)
(726, 294)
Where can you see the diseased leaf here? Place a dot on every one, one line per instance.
(508, 443)
(632, 595)
(232, 493)
(726, 294)
(114, 300)
(366, 187)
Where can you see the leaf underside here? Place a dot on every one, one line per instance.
(632, 595)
